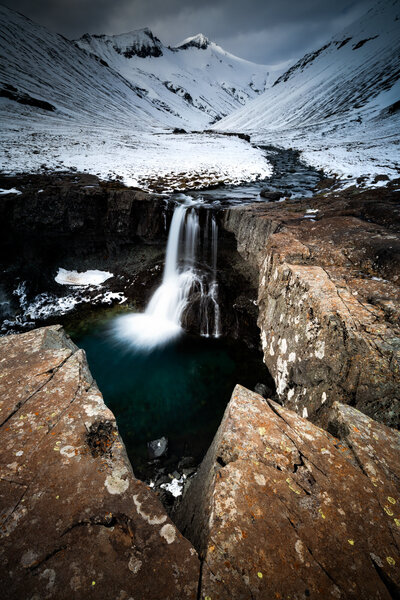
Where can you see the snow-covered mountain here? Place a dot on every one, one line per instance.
(354, 75)
(64, 108)
(131, 77)
(43, 73)
(340, 104)
(107, 104)
(194, 83)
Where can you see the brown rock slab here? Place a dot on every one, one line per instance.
(75, 523)
(282, 509)
(376, 451)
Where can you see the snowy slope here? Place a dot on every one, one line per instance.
(62, 108)
(345, 75)
(195, 83)
(44, 73)
(339, 101)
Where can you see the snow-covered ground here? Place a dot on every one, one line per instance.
(93, 119)
(10, 191)
(359, 150)
(46, 305)
(180, 161)
(84, 278)
(339, 104)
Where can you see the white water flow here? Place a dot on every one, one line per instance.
(162, 319)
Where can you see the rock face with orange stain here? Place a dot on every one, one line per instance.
(329, 299)
(75, 523)
(282, 509)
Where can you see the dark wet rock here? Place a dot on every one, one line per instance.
(328, 298)
(282, 509)
(188, 472)
(157, 448)
(271, 196)
(76, 205)
(241, 136)
(78, 222)
(75, 522)
(381, 177)
(186, 462)
(263, 390)
(11, 92)
(162, 479)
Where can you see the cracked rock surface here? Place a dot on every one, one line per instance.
(75, 522)
(328, 298)
(282, 509)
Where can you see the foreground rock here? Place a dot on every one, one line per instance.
(281, 509)
(75, 523)
(328, 298)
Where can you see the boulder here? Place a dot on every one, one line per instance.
(75, 522)
(282, 509)
(270, 195)
(157, 448)
(263, 390)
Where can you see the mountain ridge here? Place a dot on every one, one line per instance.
(203, 81)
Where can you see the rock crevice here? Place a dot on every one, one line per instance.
(279, 507)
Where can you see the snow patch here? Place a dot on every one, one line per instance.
(175, 487)
(3, 192)
(84, 278)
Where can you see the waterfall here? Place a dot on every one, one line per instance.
(162, 319)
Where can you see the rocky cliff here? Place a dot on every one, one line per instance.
(328, 298)
(78, 222)
(66, 206)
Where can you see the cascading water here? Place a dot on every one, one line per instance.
(162, 320)
(210, 313)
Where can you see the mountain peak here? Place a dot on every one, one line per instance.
(197, 41)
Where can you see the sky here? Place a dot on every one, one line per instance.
(263, 31)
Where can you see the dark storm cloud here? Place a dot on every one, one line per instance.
(265, 31)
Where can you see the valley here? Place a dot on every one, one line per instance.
(199, 316)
